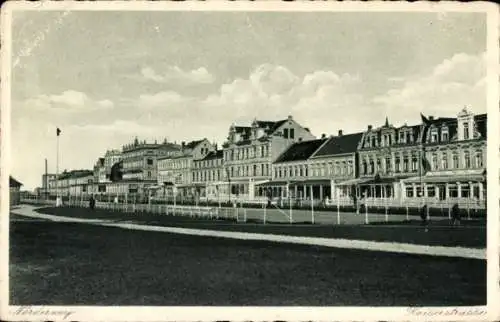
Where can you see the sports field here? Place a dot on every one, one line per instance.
(60, 263)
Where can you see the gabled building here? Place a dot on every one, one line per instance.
(386, 155)
(334, 166)
(208, 175)
(455, 154)
(290, 170)
(175, 171)
(250, 151)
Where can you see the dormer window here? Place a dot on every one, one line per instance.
(466, 131)
(434, 136)
(444, 134)
(402, 137)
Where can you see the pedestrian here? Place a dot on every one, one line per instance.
(455, 215)
(423, 216)
(92, 202)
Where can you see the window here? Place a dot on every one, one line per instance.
(467, 160)
(405, 164)
(414, 164)
(305, 171)
(401, 137)
(453, 191)
(431, 191)
(149, 174)
(434, 136)
(301, 171)
(479, 159)
(398, 164)
(388, 166)
(466, 131)
(444, 161)
(262, 169)
(465, 191)
(254, 170)
(292, 133)
(444, 134)
(150, 161)
(455, 161)
(285, 133)
(434, 162)
(409, 192)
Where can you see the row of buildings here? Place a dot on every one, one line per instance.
(440, 160)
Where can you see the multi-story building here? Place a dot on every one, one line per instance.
(45, 188)
(175, 172)
(455, 153)
(290, 168)
(100, 171)
(250, 151)
(386, 155)
(312, 170)
(139, 164)
(209, 174)
(111, 157)
(333, 167)
(74, 183)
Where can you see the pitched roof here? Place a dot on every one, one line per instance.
(347, 143)
(193, 144)
(76, 174)
(212, 155)
(13, 183)
(300, 151)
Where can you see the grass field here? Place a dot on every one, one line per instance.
(56, 263)
(471, 234)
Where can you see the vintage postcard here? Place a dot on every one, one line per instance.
(241, 161)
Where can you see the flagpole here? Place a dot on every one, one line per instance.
(57, 168)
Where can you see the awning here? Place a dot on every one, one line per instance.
(314, 182)
(353, 182)
(273, 183)
(168, 184)
(445, 179)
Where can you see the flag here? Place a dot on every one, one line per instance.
(426, 166)
(58, 131)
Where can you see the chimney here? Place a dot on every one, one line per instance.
(340, 133)
(323, 135)
(290, 117)
(369, 127)
(183, 144)
(431, 118)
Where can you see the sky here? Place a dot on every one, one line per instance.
(104, 78)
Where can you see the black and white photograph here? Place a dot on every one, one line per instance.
(229, 161)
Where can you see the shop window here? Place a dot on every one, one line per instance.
(409, 192)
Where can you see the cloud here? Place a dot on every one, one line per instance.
(69, 100)
(161, 99)
(176, 74)
(455, 82)
(274, 92)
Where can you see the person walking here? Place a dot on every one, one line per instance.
(92, 202)
(424, 217)
(455, 215)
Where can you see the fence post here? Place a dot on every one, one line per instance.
(386, 214)
(407, 213)
(264, 207)
(366, 211)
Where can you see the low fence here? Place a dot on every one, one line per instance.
(267, 213)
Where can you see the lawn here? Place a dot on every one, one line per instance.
(57, 263)
(471, 234)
